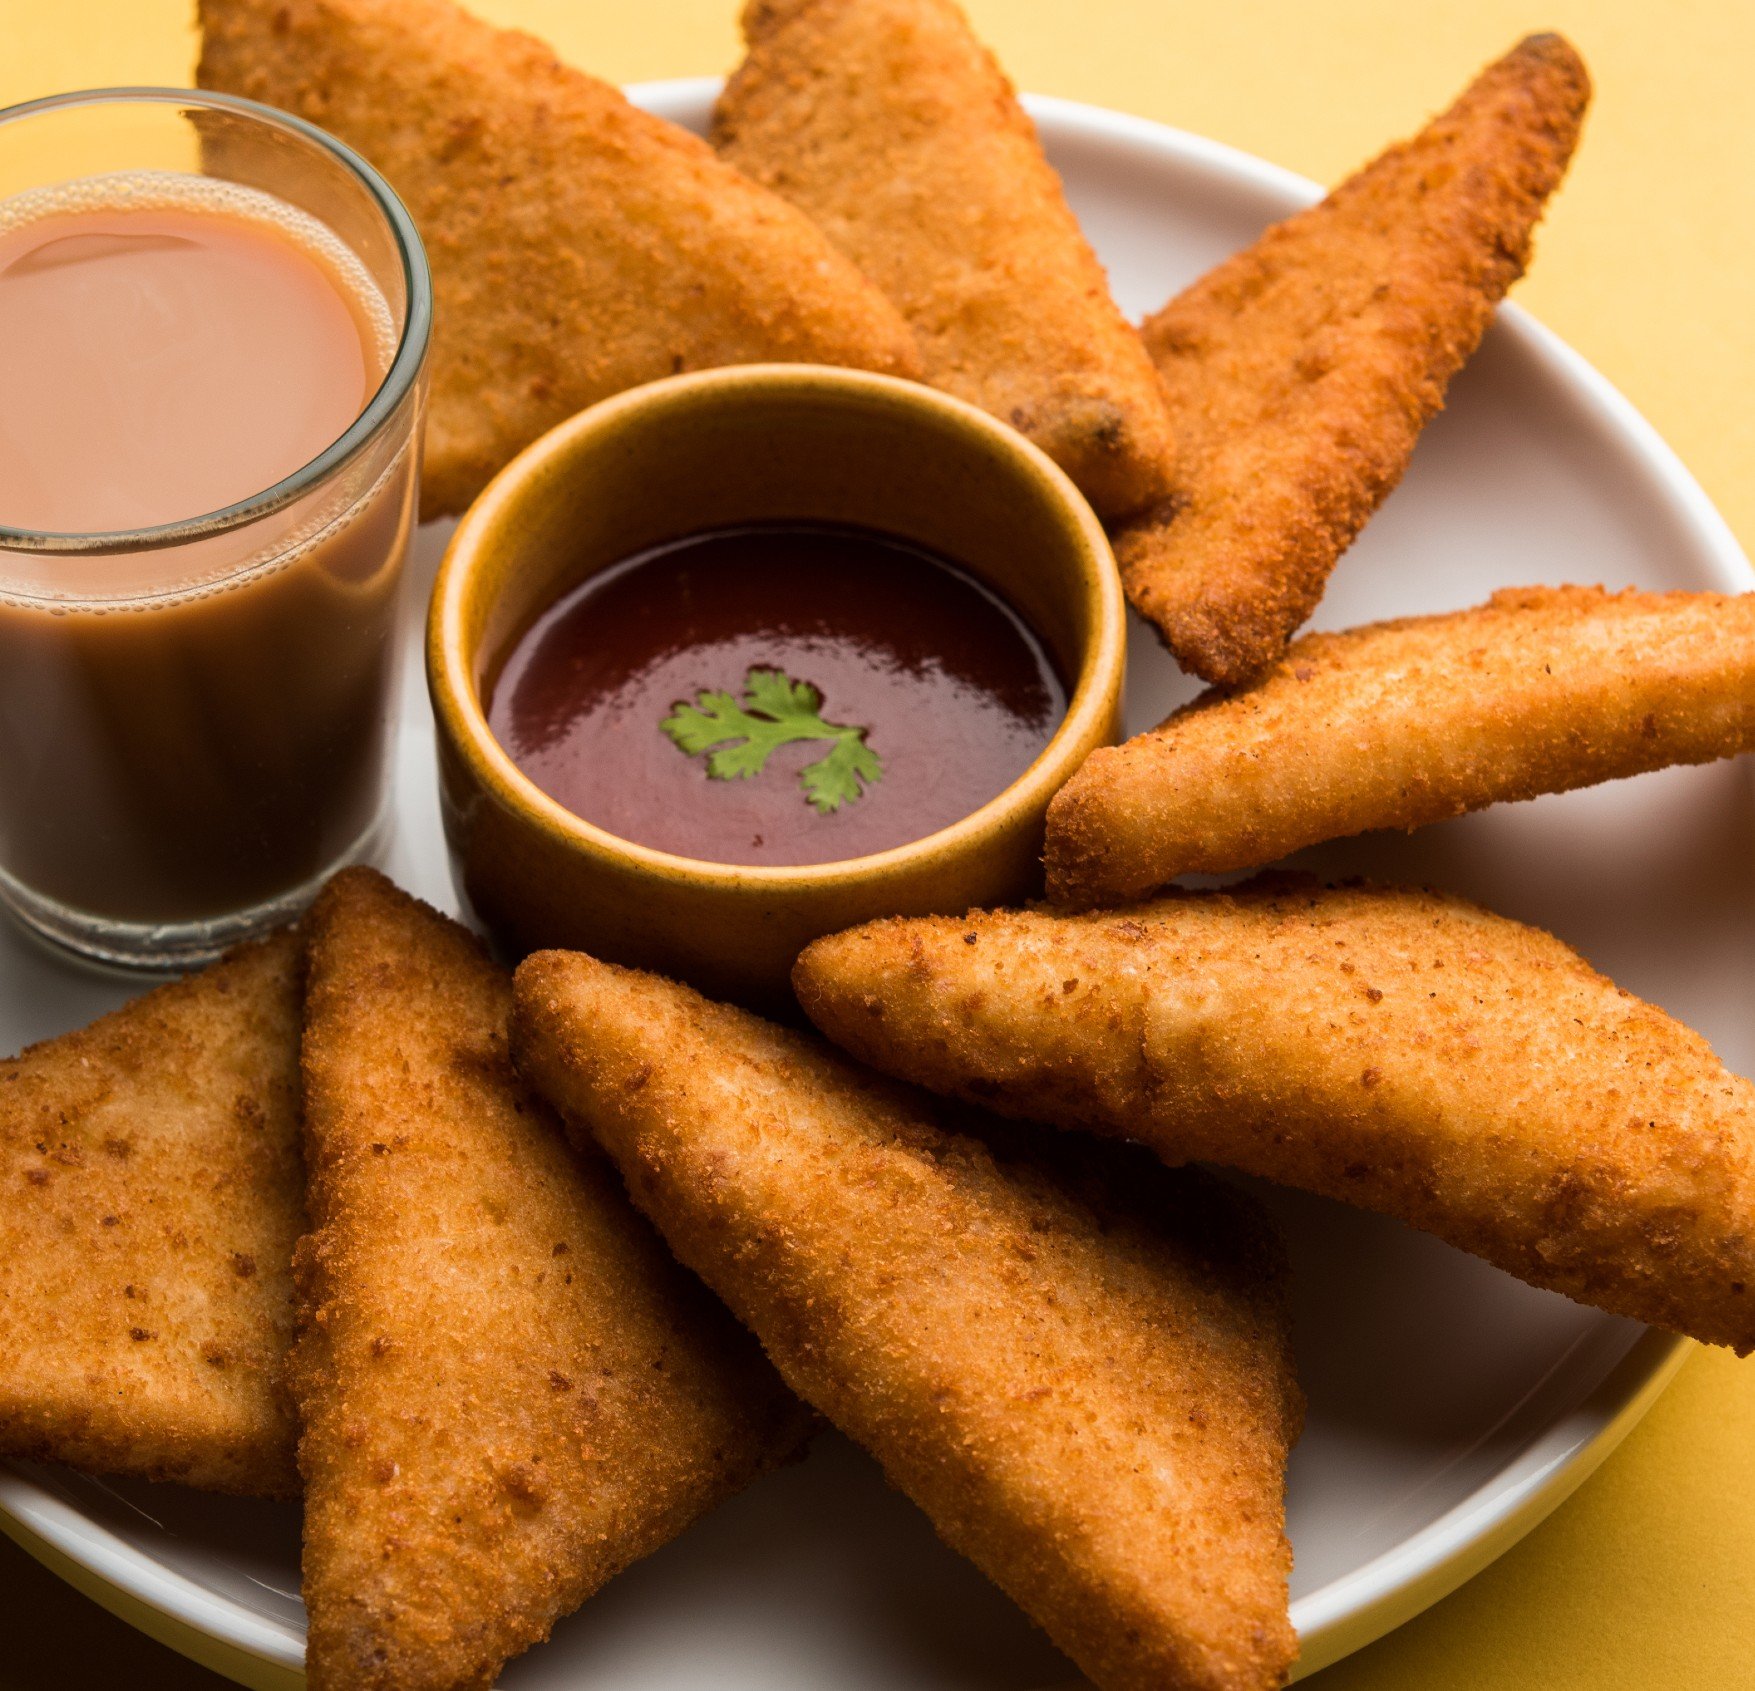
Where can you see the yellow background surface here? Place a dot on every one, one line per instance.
(1646, 1579)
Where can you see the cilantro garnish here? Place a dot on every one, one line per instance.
(775, 710)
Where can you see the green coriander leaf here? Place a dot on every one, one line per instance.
(739, 736)
(774, 694)
(696, 727)
(743, 759)
(835, 780)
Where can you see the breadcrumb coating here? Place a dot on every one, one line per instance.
(153, 1193)
(508, 1389)
(1300, 372)
(1078, 1367)
(1400, 724)
(891, 124)
(579, 246)
(1400, 1050)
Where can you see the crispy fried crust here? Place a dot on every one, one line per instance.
(1400, 724)
(508, 1389)
(1090, 1395)
(894, 128)
(153, 1192)
(1404, 1051)
(579, 246)
(1301, 371)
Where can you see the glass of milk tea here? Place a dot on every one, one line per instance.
(213, 331)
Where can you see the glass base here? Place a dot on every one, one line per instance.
(169, 947)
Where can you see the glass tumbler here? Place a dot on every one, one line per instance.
(194, 717)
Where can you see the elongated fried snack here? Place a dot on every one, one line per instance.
(1404, 1051)
(1400, 724)
(579, 246)
(153, 1192)
(894, 128)
(1301, 371)
(1094, 1408)
(508, 1389)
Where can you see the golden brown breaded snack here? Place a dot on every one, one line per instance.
(153, 1192)
(891, 124)
(579, 246)
(1301, 371)
(1400, 1050)
(508, 1389)
(1399, 724)
(1093, 1407)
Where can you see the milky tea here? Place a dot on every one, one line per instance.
(195, 729)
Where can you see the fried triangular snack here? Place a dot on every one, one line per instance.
(579, 246)
(1093, 1406)
(508, 1389)
(1401, 1050)
(1301, 371)
(1398, 724)
(153, 1195)
(891, 124)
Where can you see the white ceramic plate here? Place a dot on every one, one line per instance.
(1450, 1407)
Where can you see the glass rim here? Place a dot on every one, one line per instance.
(398, 381)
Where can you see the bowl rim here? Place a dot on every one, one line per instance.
(457, 705)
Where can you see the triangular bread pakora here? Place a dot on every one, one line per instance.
(508, 1388)
(1300, 371)
(1404, 723)
(153, 1194)
(579, 246)
(1081, 1373)
(1390, 1047)
(891, 124)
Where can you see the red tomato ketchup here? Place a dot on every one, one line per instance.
(777, 694)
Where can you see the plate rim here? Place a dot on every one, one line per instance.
(1336, 1619)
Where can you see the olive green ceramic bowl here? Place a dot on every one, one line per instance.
(754, 443)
